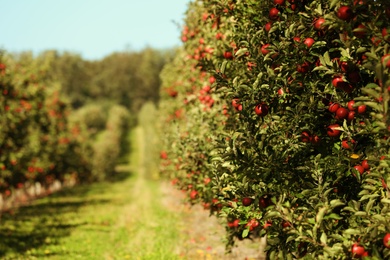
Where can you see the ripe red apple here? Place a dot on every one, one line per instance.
(261, 109)
(163, 155)
(345, 13)
(235, 102)
(286, 224)
(218, 36)
(252, 224)
(279, 2)
(385, 33)
(297, 39)
(228, 55)
(267, 224)
(351, 115)
(247, 201)
(304, 67)
(305, 137)
(365, 165)
(361, 109)
(309, 42)
(268, 26)
(357, 250)
(343, 66)
(318, 24)
(212, 79)
(264, 202)
(351, 104)
(341, 113)
(315, 139)
(193, 194)
(234, 224)
(338, 82)
(274, 13)
(264, 49)
(347, 144)
(333, 107)
(359, 168)
(332, 130)
(386, 240)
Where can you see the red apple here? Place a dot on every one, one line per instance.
(268, 26)
(261, 109)
(247, 201)
(386, 240)
(318, 24)
(193, 194)
(279, 2)
(315, 139)
(228, 55)
(351, 115)
(341, 113)
(305, 137)
(365, 165)
(274, 13)
(351, 104)
(347, 144)
(359, 168)
(297, 39)
(332, 130)
(357, 250)
(309, 42)
(361, 109)
(344, 13)
(264, 49)
(333, 107)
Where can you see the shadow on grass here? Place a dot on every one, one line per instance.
(47, 220)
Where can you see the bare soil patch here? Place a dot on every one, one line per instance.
(202, 234)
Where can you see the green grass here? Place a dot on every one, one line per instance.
(120, 219)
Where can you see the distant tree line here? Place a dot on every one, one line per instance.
(127, 78)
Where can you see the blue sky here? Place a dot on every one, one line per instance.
(92, 28)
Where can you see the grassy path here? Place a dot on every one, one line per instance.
(122, 219)
(130, 217)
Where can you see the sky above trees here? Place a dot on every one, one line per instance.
(91, 28)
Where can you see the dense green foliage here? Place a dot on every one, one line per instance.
(279, 124)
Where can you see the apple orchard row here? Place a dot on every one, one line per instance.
(275, 118)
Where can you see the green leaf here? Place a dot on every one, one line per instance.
(335, 203)
(320, 68)
(369, 206)
(360, 213)
(385, 200)
(324, 238)
(241, 52)
(223, 66)
(245, 232)
(380, 218)
(333, 216)
(351, 231)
